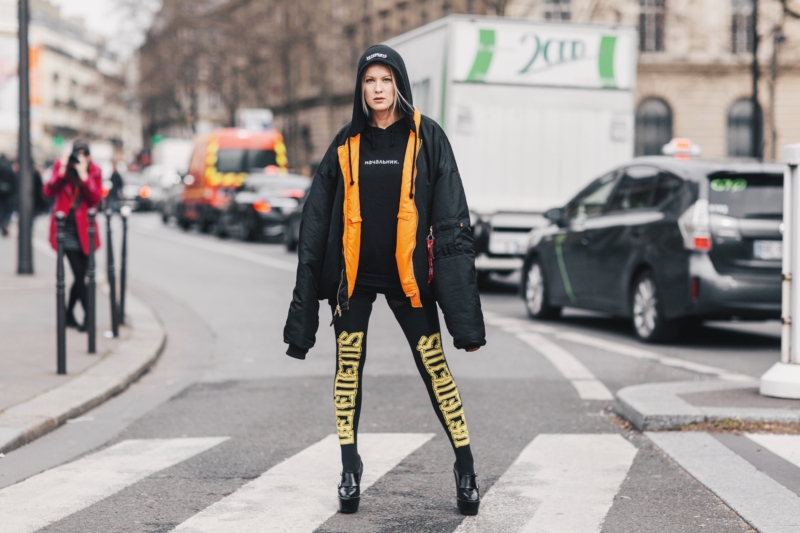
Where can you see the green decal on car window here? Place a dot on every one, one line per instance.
(563, 267)
(728, 185)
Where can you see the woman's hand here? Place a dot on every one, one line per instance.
(475, 349)
(62, 168)
(82, 167)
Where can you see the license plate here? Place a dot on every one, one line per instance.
(768, 249)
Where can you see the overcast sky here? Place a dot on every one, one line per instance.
(106, 18)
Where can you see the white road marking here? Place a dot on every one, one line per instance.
(588, 386)
(299, 494)
(640, 353)
(764, 503)
(226, 249)
(559, 483)
(785, 446)
(57, 493)
(515, 325)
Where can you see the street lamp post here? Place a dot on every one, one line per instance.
(24, 242)
(783, 379)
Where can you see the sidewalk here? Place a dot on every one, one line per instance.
(33, 398)
(28, 329)
(714, 403)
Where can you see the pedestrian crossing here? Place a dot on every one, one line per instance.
(558, 483)
(57, 493)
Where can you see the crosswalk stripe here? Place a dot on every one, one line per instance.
(764, 503)
(57, 493)
(784, 446)
(299, 494)
(640, 353)
(588, 387)
(558, 483)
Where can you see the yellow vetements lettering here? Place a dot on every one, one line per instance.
(444, 388)
(345, 386)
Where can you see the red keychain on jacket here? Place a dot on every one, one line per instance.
(430, 256)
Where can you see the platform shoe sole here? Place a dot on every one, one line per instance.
(349, 505)
(467, 508)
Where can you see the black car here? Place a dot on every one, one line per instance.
(665, 242)
(260, 207)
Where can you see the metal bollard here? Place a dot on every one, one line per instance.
(91, 297)
(125, 211)
(112, 279)
(61, 306)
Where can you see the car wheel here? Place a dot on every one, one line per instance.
(536, 294)
(246, 231)
(220, 230)
(184, 223)
(647, 317)
(165, 218)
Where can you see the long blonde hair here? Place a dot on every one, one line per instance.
(398, 96)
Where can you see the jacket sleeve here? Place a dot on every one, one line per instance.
(94, 186)
(455, 282)
(52, 187)
(303, 321)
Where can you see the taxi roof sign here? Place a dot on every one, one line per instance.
(681, 148)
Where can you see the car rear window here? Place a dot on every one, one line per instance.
(746, 195)
(239, 160)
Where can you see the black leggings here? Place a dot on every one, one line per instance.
(79, 263)
(421, 328)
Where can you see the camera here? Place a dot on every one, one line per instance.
(73, 158)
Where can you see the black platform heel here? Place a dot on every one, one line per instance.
(468, 496)
(350, 490)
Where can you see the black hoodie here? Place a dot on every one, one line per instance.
(438, 210)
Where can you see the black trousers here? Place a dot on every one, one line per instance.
(79, 263)
(421, 328)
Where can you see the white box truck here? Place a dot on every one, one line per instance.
(534, 110)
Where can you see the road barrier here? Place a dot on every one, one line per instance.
(61, 306)
(112, 279)
(783, 379)
(123, 269)
(91, 297)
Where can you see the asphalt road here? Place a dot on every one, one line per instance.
(224, 374)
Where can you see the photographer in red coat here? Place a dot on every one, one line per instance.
(77, 185)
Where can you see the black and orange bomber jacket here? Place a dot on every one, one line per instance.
(432, 201)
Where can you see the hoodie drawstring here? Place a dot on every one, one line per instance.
(350, 162)
(414, 168)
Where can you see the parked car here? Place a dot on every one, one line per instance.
(171, 207)
(665, 242)
(260, 207)
(136, 193)
(159, 179)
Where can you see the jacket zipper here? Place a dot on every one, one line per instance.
(430, 242)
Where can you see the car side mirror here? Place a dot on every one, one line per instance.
(555, 215)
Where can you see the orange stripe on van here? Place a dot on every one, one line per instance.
(351, 237)
(407, 219)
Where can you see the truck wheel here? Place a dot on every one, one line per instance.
(647, 316)
(536, 295)
(206, 225)
(184, 223)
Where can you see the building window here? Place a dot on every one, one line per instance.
(741, 26)
(740, 129)
(556, 10)
(653, 126)
(651, 25)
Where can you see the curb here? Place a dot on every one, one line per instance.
(658, 406)
(108, 377)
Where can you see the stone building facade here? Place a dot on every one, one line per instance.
(694, 68)
(78, 88)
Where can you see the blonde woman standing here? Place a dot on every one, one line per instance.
(387, 215)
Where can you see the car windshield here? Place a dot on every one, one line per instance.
(241, 160)
(746, 195)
